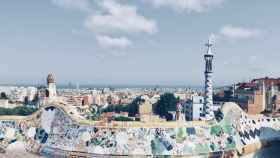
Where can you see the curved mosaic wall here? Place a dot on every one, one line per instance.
(51, 131)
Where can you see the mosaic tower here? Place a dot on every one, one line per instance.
(51, 87)
(208, 100)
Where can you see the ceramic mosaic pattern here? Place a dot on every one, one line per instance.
(54, 130)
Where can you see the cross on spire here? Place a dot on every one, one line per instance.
(209, 45)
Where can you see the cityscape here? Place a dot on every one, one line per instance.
(167, 114)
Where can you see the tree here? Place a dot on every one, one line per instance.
(122, 118)
(116, 108)
(169, 117)
(3, 95)
(133, 107)
(109, 99)
(94, 113)
(109, 108)
(21, 110)
(167, 102)
(26, 100)
(36, 98)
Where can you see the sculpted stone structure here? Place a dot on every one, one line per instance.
(51, 90)
(52, 132)
(208, 100)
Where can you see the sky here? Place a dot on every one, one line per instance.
(151, 42)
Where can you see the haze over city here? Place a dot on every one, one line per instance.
(137, 42)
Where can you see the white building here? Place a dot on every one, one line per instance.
(31, 92)
(194, 108)
(4, 103)
(18, 94)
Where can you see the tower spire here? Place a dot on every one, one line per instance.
(208, 100)
(209, 45)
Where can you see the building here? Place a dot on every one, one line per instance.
(194, 108)
(180, 114)
(86, 100)
(257, 103)
(4, 103)
(267, 81)
(258, 96)
(145, 109)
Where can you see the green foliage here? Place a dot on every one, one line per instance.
(167, 102)
(133, 108)
(116, 108)
(21, 111)
(109, 99)
(3, 95)
(26, 101)
(93, 114)
(122, 118)
(121, 108)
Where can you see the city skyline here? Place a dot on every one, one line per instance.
(92, 43)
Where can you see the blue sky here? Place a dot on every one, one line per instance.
(137, 41)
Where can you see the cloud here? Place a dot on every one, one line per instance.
(109, 42)
(234, 32)
(121, 18)
(253, 59)
(188, 5)
(73, 4)
(109, 21)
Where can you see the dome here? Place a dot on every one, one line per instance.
(50, 78)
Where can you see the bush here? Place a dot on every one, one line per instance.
(21, 111)
(115, 108)
(167, 102)
(3, 95)
(122, 118)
